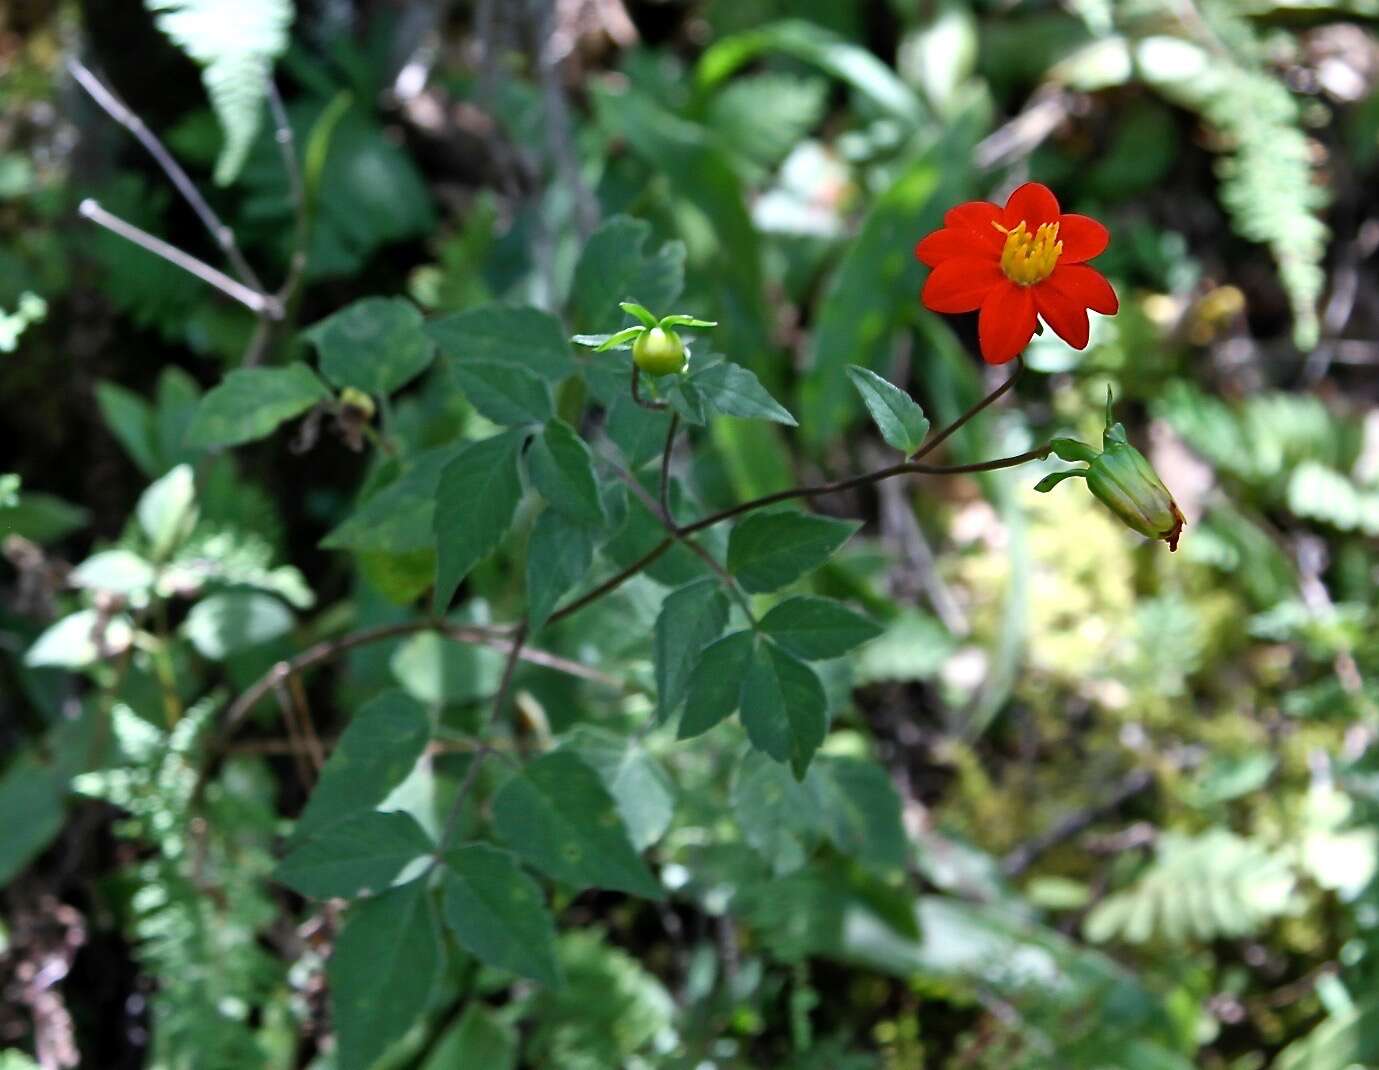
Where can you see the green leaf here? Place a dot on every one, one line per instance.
(783, 707)
(559, 556)
(250, 403)
(691, 618)
(376, 345)
(121, 572)
(476, 499)
(507, 394)
(226, 623)
(46, 518)
(860, 810)
(561, 466)
(1348, 1038)
(768, 550)
(78, 640)
(439, 671)
(235, 46)
(558, 816)
(732, 390)
(762, 117)
(869, 295)
(130, 419)
(779, 816)
(376, 752)
(822, 48)
(480, 1039)
(525, 337)
(33, 793)
(399, 518)
(614, 266)
(383, 973)
(166, 510)
(498, 913)
(818, 628)
(641, 788)
(715, 685)
(901, 422)
(361, 855)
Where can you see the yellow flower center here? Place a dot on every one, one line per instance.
(1030, 258)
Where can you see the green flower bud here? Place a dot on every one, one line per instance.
(1127, 484)
(1123, 480)
(659, 352)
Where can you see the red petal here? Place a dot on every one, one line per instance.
(1006, 323)
(961, 285)
(949, 243)
(1082, 237)
(977, 217)
(1032, 204)
(1066, 315)
(1086, 286)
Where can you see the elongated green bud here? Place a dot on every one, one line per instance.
(1123, 480)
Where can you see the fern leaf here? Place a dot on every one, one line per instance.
(1266, 172)
(235, 43)
(1198, 888)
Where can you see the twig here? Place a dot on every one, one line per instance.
(313, 742)
(259, 303)
(610, 585)
(114, 107)
(294, 733)
(330, 649)
(1020, 859)
(287, 148)
(560, 142)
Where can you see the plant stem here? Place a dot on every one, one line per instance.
(665, 470)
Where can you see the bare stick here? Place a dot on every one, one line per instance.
(114, 107)
(287, 147)
(259, 303)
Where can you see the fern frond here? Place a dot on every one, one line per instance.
(235, 43)
(1198, 888)
(1267, 182)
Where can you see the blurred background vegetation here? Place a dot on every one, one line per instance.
(1138, 821)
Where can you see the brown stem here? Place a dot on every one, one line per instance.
(665, 471)
(610, 585)
(653, 406)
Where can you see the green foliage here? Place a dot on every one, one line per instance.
(325, 819)
(497, 914)
(901, 422)
(235, 44)
(375, 345)
(253, 402)
(476, 497)
(384, 970)
(767, 551)
(559, 817)
(1198, 888)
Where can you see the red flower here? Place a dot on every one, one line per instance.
(1014, 264)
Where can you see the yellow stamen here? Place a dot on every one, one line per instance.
(1029, 258)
